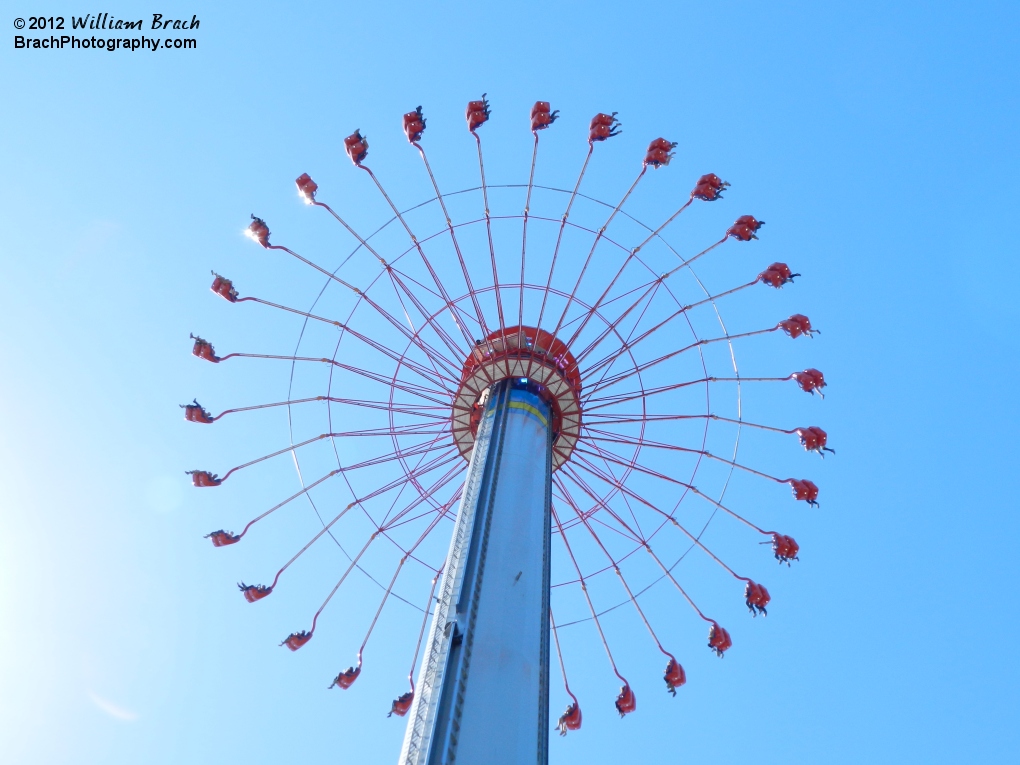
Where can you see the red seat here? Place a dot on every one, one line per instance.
(401, 705)
(541, 116)
(204, 350)
(751, 595)
(709, 187)
(745, 228)
(203, 478)
(224, 288)
(223, 538)
(194, 412)
(660, 152)
(626, 701)
(570, 719)
(719, 639)
(356, 146)
(804, 490)
(757, 598)
(814, 439)
(776, 275)
(797, 325)
(346, 678)
(674, 676)
(253, 592)
(657, 158)
(297, 639)
(259, 231)
(810, 380)
(785, 548)
(414, 125)
(602, 127)
(306, 187)
(477, 113)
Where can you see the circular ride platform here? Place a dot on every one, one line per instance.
(525, 353)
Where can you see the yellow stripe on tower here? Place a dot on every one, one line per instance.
(530, 410)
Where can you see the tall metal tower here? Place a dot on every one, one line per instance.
(488, 647)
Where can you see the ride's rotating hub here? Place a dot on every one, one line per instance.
(529, 355)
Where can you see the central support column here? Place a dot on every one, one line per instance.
(483, 690)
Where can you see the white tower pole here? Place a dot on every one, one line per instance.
(483, 690)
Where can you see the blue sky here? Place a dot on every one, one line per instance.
(879, 144)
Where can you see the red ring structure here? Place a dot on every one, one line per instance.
(524, 352)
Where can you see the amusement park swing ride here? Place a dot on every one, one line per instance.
(518, 426)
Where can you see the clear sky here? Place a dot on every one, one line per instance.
(877, 139)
